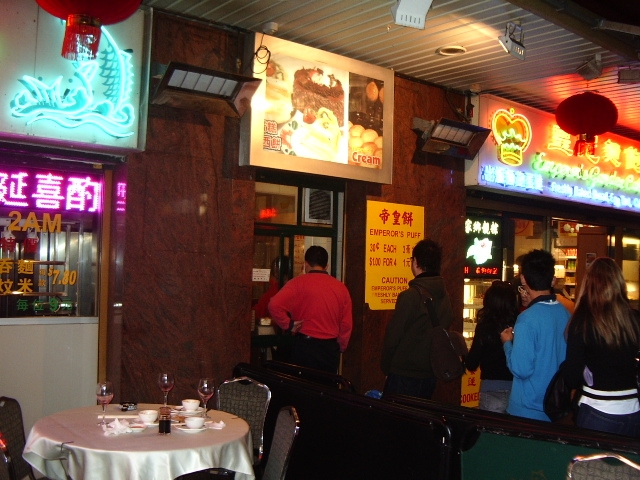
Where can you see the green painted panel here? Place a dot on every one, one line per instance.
(503, 457)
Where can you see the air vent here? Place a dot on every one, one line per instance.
(318, 206)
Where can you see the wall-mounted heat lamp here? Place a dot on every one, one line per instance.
(448, 137)
(196, 88)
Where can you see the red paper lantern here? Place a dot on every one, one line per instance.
(84, 20)
(586, 114)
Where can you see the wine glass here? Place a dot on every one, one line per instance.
(206, 389)
(104, 394)
(165, 382)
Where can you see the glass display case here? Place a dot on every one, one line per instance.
(473, 294)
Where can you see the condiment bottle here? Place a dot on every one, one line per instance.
(164, 420)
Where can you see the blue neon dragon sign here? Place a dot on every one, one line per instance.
(78, 104)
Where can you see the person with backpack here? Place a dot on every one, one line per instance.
(406, 359)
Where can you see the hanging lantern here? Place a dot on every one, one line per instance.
(84, 20)
(586, 114)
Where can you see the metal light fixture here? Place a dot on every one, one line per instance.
(513, 40)
(629, 75)
(203, 89)
(448, 137)
(411, 13)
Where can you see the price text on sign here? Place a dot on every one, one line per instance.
(392, 232)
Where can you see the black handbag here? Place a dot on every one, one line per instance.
(448, 348)
(558, 401)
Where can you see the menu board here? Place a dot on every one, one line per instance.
(318, 112)
(393, 229)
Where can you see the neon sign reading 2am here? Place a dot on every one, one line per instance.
(98, 94)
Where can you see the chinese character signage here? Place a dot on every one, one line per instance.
(393, 230)
(529, 154)
(483, 246)
(91, 105)
(33, 189)
(318, 112)
(47, 234)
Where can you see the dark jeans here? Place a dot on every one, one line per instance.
(589, 417)
(316, 353)
(414, 387)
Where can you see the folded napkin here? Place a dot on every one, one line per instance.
(116, 427)
(216, 425)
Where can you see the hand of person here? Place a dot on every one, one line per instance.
(296, 326)
(507, 335)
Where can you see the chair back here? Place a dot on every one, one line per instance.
(286, 430)
(603, 465)
(248, 399)
(7, 472)
(12, 429)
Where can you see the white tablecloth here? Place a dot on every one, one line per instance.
(75, 436)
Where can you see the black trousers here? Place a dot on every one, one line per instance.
(316, 353)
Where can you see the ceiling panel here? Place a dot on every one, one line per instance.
(365, 30)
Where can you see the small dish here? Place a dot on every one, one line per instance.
(187, 413)
(215, 425)
(191, 430)
(137, 428)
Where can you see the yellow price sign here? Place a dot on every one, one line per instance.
(393, 229)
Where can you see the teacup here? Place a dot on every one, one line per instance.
(190, 404)
(194, 422)
(148, 416)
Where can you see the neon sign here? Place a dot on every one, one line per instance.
(50, 190)
(531, 154)
(77, 103)
(484, 247)
(512, 133)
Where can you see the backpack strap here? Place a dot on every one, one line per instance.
(427, 299)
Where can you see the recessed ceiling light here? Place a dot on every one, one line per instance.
(451, 50)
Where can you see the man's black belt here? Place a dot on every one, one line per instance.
(308, 337)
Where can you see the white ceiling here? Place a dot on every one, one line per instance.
(365, 30)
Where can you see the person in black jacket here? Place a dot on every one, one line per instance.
(406, 353)
(602, 344)
(499, 311)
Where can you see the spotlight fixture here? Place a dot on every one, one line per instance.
(411, 13)
(513, 40)
(591, 69)
(448, 137)
(197, 88)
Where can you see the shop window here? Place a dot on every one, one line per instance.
(49, 242)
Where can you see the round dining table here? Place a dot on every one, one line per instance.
(71, 444)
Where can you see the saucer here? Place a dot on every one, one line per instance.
(191, 430)
(137, 428)
(187, 413)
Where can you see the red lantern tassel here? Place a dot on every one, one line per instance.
(81, 38)
(585, 145)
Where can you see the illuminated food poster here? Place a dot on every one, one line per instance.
(318, 112)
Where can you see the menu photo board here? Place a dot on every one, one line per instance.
(483, 247)
(320, 113)
(393, 230)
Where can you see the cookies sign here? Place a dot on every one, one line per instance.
(317, 112)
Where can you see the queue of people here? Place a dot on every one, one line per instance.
(524, 335)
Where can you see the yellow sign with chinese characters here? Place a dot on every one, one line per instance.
(470, 389)
(393, 229)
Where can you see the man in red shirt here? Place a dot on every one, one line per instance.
(316, 308)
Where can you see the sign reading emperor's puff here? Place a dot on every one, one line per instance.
(392, 231)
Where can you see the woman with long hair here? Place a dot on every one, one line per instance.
(603, 337)
(499, 311)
